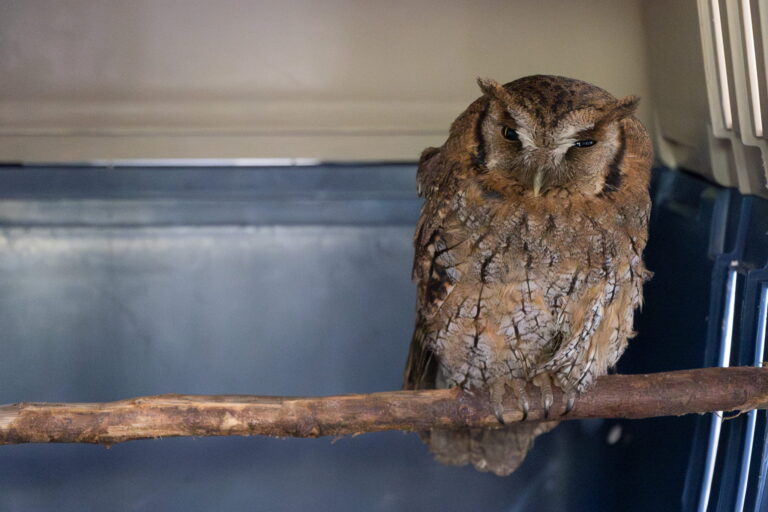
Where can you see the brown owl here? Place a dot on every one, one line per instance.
(528, 253)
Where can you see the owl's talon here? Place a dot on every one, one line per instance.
(525, 412)
(498, 411)
(570, 400)
(518, 388)
(497, 390)
(544, 382)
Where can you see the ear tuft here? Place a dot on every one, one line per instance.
(618, 110)
(491, 87)
(625, 107)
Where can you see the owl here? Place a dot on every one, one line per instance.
(528, 254)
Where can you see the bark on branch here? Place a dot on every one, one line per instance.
(614, 396)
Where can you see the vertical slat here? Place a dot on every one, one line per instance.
(715, 72)
(749, 438)
(726, 340)
(759, 15)
(749, 161)
(720, 62)
(750, 55)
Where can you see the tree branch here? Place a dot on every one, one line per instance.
(614, 396)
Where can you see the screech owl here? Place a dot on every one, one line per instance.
(528, 254)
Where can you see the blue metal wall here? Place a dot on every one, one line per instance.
(293, 281)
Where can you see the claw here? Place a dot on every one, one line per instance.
(570, 398)
(497, 390)
(518, 388)
(544, 382)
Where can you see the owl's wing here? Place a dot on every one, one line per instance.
(421, 367)
(436, 183)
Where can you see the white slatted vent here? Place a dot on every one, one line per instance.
(734, 36)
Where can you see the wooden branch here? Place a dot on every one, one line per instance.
(614, 396)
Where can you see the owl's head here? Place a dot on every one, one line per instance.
(544, 132)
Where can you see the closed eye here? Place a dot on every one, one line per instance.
(584, 143)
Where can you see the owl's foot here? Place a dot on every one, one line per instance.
(498, 390)
(545, 382)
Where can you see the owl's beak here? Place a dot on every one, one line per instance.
(538, 181)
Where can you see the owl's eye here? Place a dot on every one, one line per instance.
(584, 143)
(509, 133)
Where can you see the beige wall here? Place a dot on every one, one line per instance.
(680, 113)
(335, 80)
